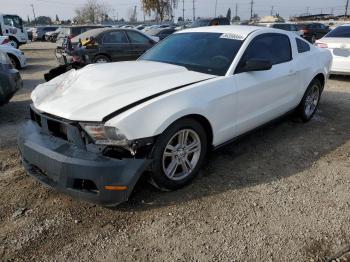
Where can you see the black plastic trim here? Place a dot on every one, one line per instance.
(139, 102)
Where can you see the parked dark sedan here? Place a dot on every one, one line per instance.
(210, 22)
(10, 79)
(161, 33)
(314, 31)
(110, 44)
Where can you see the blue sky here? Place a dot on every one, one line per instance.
(204, 8)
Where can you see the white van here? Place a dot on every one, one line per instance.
(12, 26)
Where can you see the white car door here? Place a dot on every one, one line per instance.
(265, 95)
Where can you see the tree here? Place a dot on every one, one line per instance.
(228, 15)
(236, 19)
(162, 8)
(91, 12)
(43, 20)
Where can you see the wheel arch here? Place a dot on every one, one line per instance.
(204, 122)
(14, 39)
(320, 77)
(102, 54)
(18, 64)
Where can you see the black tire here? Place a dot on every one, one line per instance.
(302, 108)
(100, 58)
(158, 177)
(313, 39)
(14, 61)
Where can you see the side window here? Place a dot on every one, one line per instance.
(137, 38)
(302, 46)
(273, 47)
(294, 27)
(116, 37)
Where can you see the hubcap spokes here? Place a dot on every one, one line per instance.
(181, 155)
(312, 101)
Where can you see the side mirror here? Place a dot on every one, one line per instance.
(256, 65)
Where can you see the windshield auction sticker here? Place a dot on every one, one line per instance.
(232, 36)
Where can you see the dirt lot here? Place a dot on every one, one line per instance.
(280, 194)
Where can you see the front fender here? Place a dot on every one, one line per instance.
(152, 118)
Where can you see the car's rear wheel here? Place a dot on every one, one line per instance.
(100, 59)
(14, 61)
(309, 104)
(178, 154)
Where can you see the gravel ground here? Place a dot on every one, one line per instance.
(280, 194)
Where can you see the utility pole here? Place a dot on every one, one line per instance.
(307, 10)
(34, 14)
(251, 9)
(236, 9)
(346, 9)
(194, 11)
(271, 10)
(183, 10)
(216, 6)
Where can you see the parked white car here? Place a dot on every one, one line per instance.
(338, 42)
(94, 131)
(16, 56)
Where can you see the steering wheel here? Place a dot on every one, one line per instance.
(220, 60)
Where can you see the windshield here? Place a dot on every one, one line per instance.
(210, 53)
(200, 23)
(13, 20)
(341, 31)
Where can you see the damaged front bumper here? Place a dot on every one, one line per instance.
(76, 171)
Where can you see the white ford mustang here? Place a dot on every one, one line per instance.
(93, 132)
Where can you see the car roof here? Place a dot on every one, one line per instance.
(242, 30)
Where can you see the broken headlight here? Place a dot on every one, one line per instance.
(104, 135)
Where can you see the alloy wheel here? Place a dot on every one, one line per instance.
(312, 100)
(181, 155)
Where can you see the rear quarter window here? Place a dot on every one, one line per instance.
(302, 46)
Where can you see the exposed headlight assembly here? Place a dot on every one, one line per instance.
(105, 135)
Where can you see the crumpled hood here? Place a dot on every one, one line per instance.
(91, 93)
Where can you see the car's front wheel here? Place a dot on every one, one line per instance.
(309, 104)
(101, 59)
(178, 154)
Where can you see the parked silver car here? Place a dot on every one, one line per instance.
(10, 79)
